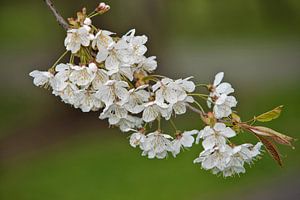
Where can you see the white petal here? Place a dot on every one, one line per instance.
(112, 63)
(187, 141)
(179, 108)
(228, 132)
(224, 88)
(101, 55)
(221, 99)
(209, 142)
(150, 114)
(219, 126)
(218, 78)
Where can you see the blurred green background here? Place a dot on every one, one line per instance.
(51, 151)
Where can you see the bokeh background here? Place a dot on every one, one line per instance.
(52, 151)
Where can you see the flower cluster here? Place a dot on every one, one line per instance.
(157, 144)
(113, 76)
(219, 156)
(109, 81)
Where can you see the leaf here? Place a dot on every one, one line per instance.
(271, 148)
(276, 136)
(270, 115)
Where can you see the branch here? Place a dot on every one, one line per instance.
(61, 21)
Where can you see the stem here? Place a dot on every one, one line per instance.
(57, 61)
(198, 85)
(89, 15)
(61, 21)
(145, 125)
(199, 95)
(72, 59)
(158, 124)
(196, 110)
(93, 15)
(198, 104)
(173, 125)
(156, 75)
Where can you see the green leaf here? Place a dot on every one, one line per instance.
(268, 116)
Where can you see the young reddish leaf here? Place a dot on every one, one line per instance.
(276, 136)
(270, 115)
(271, 148)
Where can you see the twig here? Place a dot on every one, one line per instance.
(62, 22)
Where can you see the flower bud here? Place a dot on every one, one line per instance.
(102, 8)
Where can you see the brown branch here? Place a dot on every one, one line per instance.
(61, 21)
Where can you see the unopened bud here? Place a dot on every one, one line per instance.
(102, 8)
(102, 5)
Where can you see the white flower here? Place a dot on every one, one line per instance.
(69, 94)
(229, 161)
(40, 78)
(113, 91)
(234, 166)
(215, 137)
(116, 66)
(180, 106)
(169, 91)
(186, 84)
(101, 77)
(104, 42)
(184, 139)
(219, 96)
(152, 111)
(221, 88)
(247, 151)
(213, 159)
(82, 75)
(137, 98)
(89, 102)
(241, 154)
(77, 37)
(156, 145)
(135, 47)
(137, 138)
(121, 56)
(147, 64)
(114, 113)
(129, 123)
(223, 106)
(59, 82)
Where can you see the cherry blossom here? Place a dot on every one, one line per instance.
(40, 78)
(77, 37)
(112, 76)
